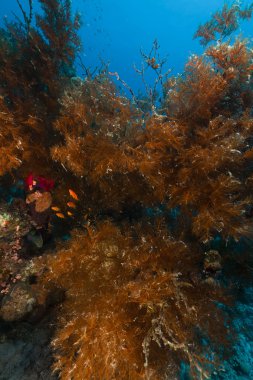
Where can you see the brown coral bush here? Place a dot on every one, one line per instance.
(102, 135)
(129, 302)
(206, 177)
(199, 154)
(139, 308)
(35, 61)
(223, 22)
(197, 157)
(12, 143)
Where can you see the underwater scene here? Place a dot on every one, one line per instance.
(126, 190)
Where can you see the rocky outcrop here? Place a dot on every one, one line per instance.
(25, 353)
(212, 262)
(19, 304)
(25, 306)
(212, 267)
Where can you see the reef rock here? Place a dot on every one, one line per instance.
(212, 262)
(19, 304)
(25, 352)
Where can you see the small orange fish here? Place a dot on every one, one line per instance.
(73, 194)
(60, 215)
(55, 208)
(248, 154)
(71, 205)
(69, 213)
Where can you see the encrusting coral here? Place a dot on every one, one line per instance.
(136, 301)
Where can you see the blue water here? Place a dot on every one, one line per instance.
(114, 31)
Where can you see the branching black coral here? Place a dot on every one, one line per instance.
(102, 134)
(132, 305)
(223, 23)
(34, 63)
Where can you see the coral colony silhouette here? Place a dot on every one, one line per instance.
(152, 188)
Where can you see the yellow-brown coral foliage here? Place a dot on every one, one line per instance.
(36, 60)
(102, 134)
(199, 155)
(11, 142)
(193, 157)
(128, 304)
(193, 96)
(223, 22)
(205, 177)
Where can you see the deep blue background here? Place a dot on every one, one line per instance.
(115, 30)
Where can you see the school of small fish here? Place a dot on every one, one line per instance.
(70, 204)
